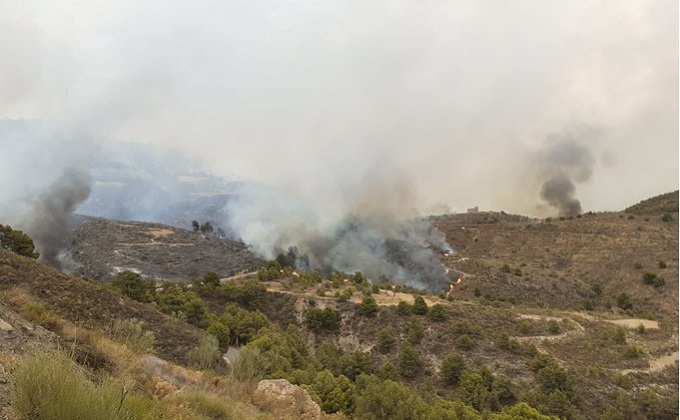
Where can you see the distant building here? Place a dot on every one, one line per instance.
(473, 210)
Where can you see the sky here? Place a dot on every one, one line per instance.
(427, 107)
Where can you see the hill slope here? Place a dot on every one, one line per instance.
(102, 247)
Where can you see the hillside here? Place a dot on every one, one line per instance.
(664, 203)
(103, 247)
(576, 317)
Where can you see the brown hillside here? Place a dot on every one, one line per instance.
(557, 263)
(92, 305)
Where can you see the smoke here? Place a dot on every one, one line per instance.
(370, 226)
(566, 160)
(52, 212)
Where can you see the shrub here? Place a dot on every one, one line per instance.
(553, 327)
(17, 242)
(415, 331)
(666, 218)
(410, 363)
(211, 406)
(419, 305)
(134, 286)
(517, 272)
(465, 342)
(619, 335)
(322, 319)
(51, 386)
(452, 368)
(624, 301)
(659, 282)
(335, 394)
(131, 333)
(211, 278)
(38, 314)
(637, 266)
(386, 341)
(662, 265)
(403, 308)
(506, 269)
(648, 278)
(388, 400)
(368, 306)
(242, 324)
(437, 313)
(220, 331)
(207, 355)
(633, 352)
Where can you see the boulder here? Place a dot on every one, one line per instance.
(285, 399)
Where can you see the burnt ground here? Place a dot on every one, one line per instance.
(101, 247)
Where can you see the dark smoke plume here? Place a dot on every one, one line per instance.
(565, 162)
(52, 212)
(560, 192)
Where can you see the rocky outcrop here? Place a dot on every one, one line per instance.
(282, 397)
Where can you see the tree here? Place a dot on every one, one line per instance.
(368, 306)
(386, 341)
(221, 333)
(437, 312)
(206, 228)
(419, 306)
(410, 363)
(134, 286)
(195, 226)
(211, 278)
(452, 368)
(415, 331)
(403, 308)
(335, 394)
(322, 319)
(520, 411)
(388, 400)
(17, 242)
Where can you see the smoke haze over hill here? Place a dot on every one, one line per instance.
(379, 111)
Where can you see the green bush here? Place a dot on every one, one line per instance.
(553, 327)
(663, 265)
(368, 306)
(419, 305)
(415, 331)
(387, 400)
(410, 363)
(404, 308)
(506, 269)
(207, 355)
(322, 319)
(134, 286)
(242, 324)
(51, 386)
(334, 394)
(17, 242)
(624, 301)
(221, 332)
(211, 278)
(437, 313)
(38, 314)
(465, 342)
(649, 278)
(452, 368)
(666, 218)
(386, 341)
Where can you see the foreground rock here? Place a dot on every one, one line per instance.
(280, 396)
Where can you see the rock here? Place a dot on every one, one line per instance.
(283, 398)
(5, 326)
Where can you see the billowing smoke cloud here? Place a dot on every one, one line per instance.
(370, 226)
(566, 161)
(52, 213)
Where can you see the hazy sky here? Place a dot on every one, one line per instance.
(454, 103)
